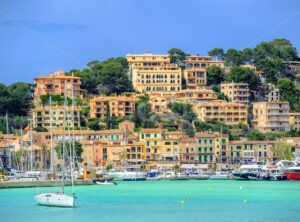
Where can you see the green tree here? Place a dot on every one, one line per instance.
(289, 92)
(233, 57)
(244, 75)
(68, 150)
(217, 53)
(215, 75)
(177, 56)
(255, 134)
(93, 124)
(271, 68)
(282, 151)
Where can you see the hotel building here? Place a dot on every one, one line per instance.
(236, 92)
(271, 116)
(230, 113)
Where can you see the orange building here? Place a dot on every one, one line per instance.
(57, 83)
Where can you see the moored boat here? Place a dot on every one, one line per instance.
(293, 173)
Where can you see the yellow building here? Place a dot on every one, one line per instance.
(41, 117)
(294, 121)
(236, 92)
(118, 105)
(271, 116)
(152, 140)
(230, 113)
(157, 79)
(57, 83)
(170, 148)
(147, 60)
(243, 151)
(200, 94)
(135, 153)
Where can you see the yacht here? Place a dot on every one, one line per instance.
(58, 199)
(247, 172)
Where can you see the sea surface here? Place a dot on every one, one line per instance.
(182, 201)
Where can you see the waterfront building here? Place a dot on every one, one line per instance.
(200, 94)
(244, 151)
(41, 117)
(294, 121)
(135, 153)
(170, 148)
(123, 105)
(188, 150)
(272, 94)
(236, 92)
(231, 113)
(212, 147)
(57, 83)
(152, 140)
(271, 116)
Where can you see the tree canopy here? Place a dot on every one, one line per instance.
(215, 75)
(244, 75)
(105, 77)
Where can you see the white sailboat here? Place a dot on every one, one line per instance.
(60, 199)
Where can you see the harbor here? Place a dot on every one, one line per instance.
(154, 201)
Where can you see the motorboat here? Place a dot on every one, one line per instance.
(134, 176)
(293, 173)
(219, 175)
(106, 183)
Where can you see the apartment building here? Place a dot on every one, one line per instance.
(243, 151)
(57, 83)
(236, 92)
(195, 77)
(204, 62)
(123, 105)
(271, 116)
(200, 94)
(135, 153)
(231, 113)
(61, 116)
(294, 121)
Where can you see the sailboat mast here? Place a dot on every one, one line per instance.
(7, 128)
(31, 144)
(73, 141)
(51, 139)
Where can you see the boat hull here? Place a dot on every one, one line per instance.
(292, 175)
(55, 200)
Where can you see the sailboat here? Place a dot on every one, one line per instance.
(60, 199)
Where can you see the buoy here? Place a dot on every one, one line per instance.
(245, 201)
(182, 202)
(188, 197)
(241, 187)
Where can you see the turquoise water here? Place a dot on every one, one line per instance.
(216, 201)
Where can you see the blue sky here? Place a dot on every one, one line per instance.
(39, 37)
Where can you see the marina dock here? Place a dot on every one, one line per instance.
(42, 183)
